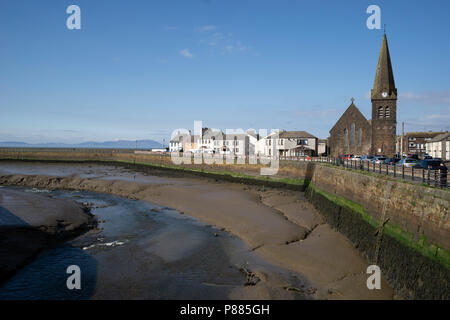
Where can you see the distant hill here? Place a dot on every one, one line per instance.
(119, 144)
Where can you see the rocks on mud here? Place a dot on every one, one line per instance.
(251, 278)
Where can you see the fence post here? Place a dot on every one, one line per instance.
(379, 171)
(387, 169)
(435, 178)
(403, 172)
(412, 173)
(428, 176)
(423, 175)
(395, 170)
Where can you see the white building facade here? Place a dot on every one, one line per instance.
(439, 147)
(288, 144)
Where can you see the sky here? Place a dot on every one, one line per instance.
(140, 69)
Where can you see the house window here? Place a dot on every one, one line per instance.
(352, 135)
(380, 112)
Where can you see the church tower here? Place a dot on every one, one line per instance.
(384, 105)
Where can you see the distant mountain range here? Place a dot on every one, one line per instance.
(119, 144)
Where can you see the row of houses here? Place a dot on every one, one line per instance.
(283, 143)
(435, 144)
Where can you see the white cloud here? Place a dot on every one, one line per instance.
(441, 98)
(206, 28)
(186, 53)
(225, 43)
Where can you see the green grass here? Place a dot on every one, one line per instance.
(238, 175)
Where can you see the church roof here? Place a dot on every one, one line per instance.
(351, 108)
(384, 77)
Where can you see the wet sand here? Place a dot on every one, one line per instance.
(29, 223)
(279, 226)
(145, 251)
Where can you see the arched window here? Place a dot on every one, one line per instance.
(359, 137)
(380, 112)
(345, 138)
(352, 135)
(387, 112)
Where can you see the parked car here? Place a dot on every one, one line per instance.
(355, 158)
(407, 162)
(426, 157)
(392, 161)
(366, 158)
(432, 164)
(413, 156)
(378, 159)
(345, 156)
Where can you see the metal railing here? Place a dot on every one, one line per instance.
(436, 178)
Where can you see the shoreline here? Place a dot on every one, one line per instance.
(281, 226)
(31, 223)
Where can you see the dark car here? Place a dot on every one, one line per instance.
(432, 164)
(391, 161)
(413, 156)
(366, 158)
(378, 159)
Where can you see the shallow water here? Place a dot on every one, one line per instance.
(143, 252)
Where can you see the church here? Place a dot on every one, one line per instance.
(354, 134)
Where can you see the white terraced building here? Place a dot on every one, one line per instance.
(439, 146)
(215, 141)
(288, 143)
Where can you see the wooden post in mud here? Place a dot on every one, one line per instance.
(383, 221)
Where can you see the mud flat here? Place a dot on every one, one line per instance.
(31, 222)
(279, 226)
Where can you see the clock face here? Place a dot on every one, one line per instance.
(384, 94)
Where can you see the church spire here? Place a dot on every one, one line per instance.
(384, 78)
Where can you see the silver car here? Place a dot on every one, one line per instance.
(407, 162)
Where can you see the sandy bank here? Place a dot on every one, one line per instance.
(30, 222)
(280, 226)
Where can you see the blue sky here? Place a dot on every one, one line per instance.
(140, 69)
